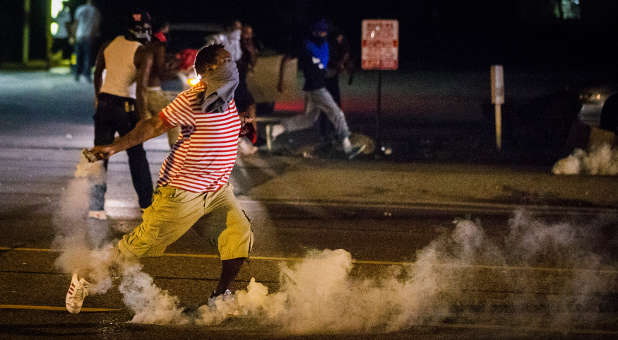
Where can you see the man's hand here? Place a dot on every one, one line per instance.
(246, 125)
(246, 117)
(103, 151)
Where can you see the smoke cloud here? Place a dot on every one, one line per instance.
(322, 293)
(602, 160)
(149, 303)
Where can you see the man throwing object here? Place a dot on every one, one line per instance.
(193, 180)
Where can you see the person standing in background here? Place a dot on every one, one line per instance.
(244, 99)
(86, 28)
(339, 61)
(313, 58)
(232, 39)
(156, 98)
(61, 41)
(121, 102)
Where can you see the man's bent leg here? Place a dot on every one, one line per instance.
(103, 134)
(172, 212)
(307, 119)
(325, 102)
(229, 270)
(231, 232)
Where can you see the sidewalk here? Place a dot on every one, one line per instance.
(414, 185)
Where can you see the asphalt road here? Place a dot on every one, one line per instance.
(431, 250)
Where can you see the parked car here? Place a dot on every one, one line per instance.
(184, 39)
(599, 105)
(593, 97)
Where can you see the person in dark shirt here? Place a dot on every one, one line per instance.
(313, 58)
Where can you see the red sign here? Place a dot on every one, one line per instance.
(380, 45)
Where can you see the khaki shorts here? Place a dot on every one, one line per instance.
(215, 215)
(157, 101)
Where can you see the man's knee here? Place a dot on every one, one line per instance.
(236, 241)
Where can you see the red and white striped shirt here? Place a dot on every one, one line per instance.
(205, 152)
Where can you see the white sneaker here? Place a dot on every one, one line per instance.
(355, 151)
(97, 215)
(226, 296)
(78, 290)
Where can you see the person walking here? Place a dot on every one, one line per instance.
(243, 97)
(232, 34)
(339, 61)
(155, 96)
(193, 182)
(313, 58)
(61, 41)
(86, 28)
(121, 102)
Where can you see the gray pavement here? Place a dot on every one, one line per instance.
(380, 210)
(494, 183)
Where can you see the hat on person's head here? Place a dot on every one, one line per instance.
(139, 18)
(319, 26)
(139, 24)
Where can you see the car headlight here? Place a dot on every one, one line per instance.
(591, 97)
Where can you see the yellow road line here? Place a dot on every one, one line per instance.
(525, 329)
(373, 262)
(53, 308)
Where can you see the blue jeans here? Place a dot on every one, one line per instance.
(83, 53)
(318, 101)
(116, 114)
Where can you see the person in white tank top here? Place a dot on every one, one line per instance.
(120, 102)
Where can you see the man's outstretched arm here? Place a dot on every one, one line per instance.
(143, 131)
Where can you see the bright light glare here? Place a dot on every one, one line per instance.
(193, 81)
(56, 7)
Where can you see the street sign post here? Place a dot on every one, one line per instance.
(497, 98)
(380, 44)
(379, 51)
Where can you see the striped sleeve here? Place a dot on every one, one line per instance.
(179, 112)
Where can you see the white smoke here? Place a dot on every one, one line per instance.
(149, 303)
(602, 160)
(86, 250)
(323, 294)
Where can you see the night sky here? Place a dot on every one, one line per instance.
(431, 31)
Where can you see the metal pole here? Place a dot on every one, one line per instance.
(25, 51)
(48, 35)
(498, 118)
